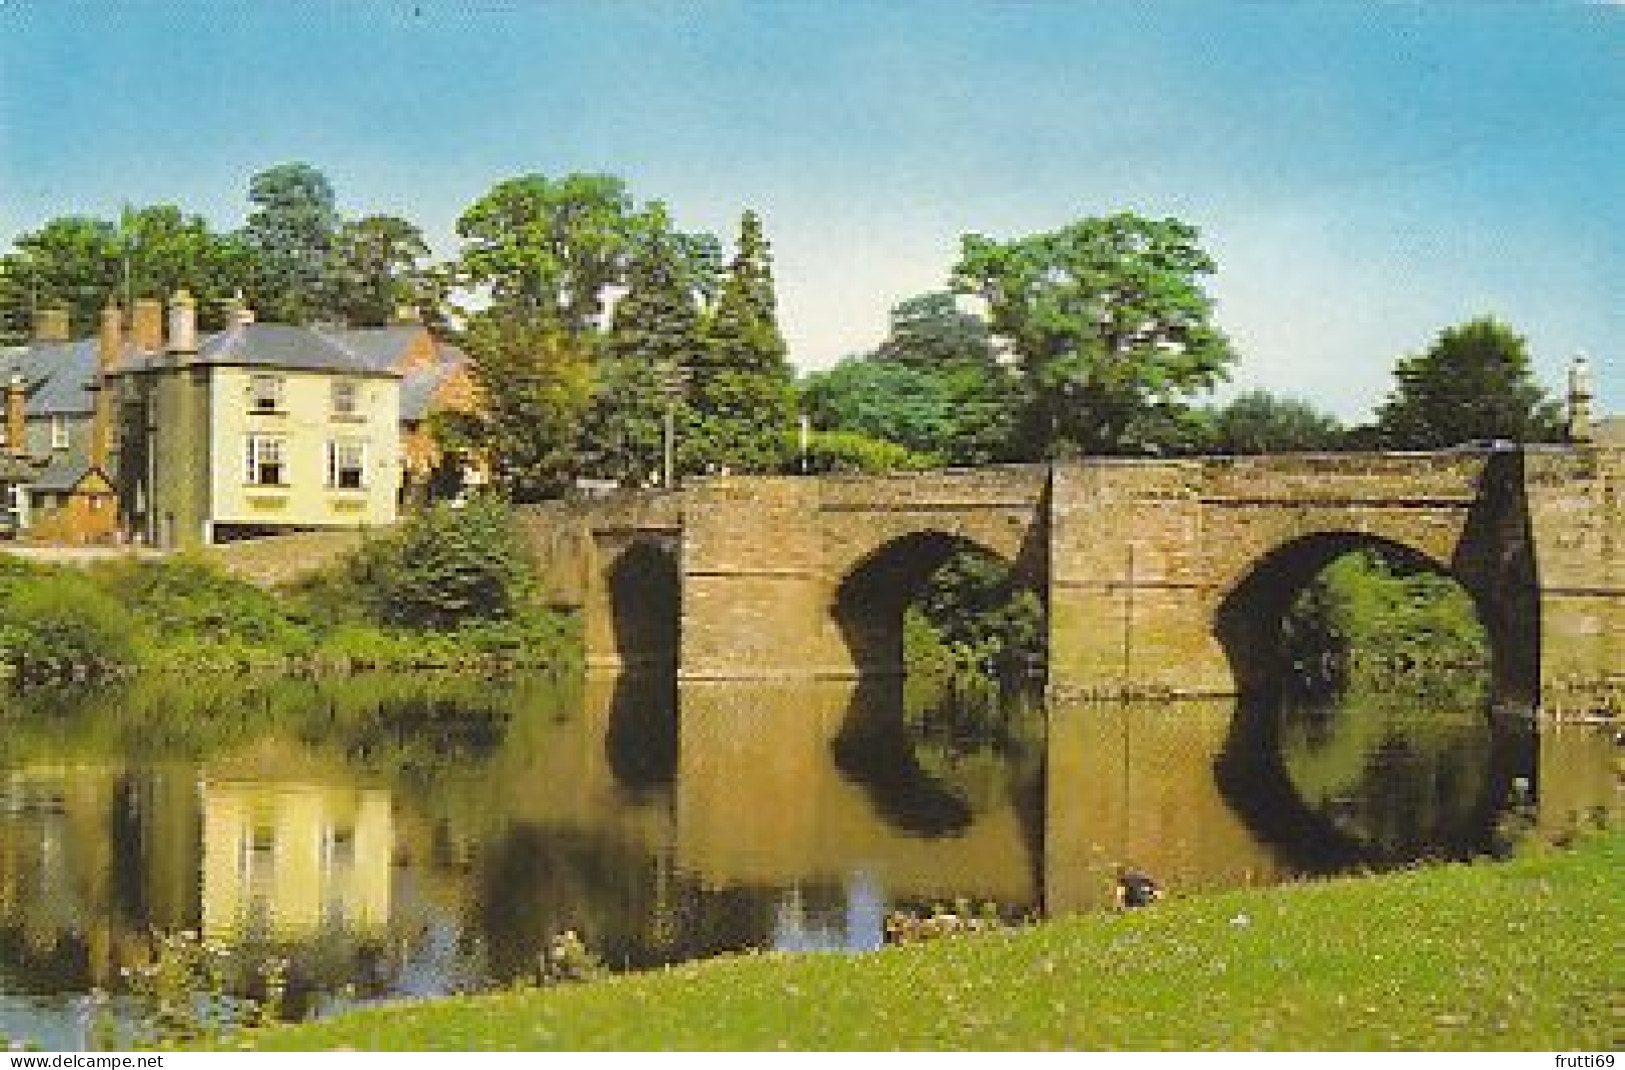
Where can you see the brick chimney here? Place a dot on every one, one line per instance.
(51, 325)
(147, 324)
(110, 341)
(16, 416)
(182, 323)
(109, 344)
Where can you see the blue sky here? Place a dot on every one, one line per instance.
(1366, 175)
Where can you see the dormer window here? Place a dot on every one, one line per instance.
(346, 397)
(265, 393)
(59, 432)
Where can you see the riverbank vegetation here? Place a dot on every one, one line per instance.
(1514, 955)
(1366, 621)
(448, 588)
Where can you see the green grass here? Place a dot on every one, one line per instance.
(1521, 955)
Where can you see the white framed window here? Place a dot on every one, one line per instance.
(59, 432)
(347, 464)
(346, 397)
(267, 466)
(265, 393)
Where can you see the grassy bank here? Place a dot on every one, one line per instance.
(1521, 955)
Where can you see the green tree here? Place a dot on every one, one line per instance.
(653, 342)
(537, 382)
(1107, 319)
(376, 269)
(446, 567)
(165, 249)
(1474, 382)
(291, 232)
(934, 386)
(72, 262)
(550, 250)
(742, 390)
(1260, 422)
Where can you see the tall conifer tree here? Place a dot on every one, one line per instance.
(742, 395)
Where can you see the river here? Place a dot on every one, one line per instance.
(397, 837)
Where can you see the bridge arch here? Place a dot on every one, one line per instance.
(871, 596)
(643, 587)
(1248, 617)
(1252, 770)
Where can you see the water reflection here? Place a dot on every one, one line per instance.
(402, 837)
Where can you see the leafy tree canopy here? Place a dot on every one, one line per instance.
(1260, 422)
(1474, 382)
(536, 381)
(376, 269)
(550, 248)
(291, 231)
(1106, 316)
(741, 393)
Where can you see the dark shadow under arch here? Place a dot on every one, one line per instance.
(645, 599)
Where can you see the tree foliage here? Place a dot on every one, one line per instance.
(1106, 317)
(536, 383)
(934, 386)
(291, 231)
(550, 249)
(1474, 382)
(1364, 617)
(446, 567)
(376, 269)
(741, 391)
(655, 339)
(1260, 422)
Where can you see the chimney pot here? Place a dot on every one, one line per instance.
(148, 324)
(182, 323)
(110, 342)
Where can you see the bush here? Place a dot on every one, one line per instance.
(850, 452)
(186, 597)
(61, 622)
(446, 567)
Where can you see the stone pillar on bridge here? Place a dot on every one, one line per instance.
(755, 601)
(1129, 613)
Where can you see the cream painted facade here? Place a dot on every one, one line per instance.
(310, 442)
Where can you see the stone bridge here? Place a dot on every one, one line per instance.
(1161, 577)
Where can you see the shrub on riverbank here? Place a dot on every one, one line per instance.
(1505, 956)
(449, 588)
(55, 624)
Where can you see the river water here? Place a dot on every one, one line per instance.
(395, 837)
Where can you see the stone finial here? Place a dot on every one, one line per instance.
(1580, 395)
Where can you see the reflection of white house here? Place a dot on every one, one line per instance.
(287, 860)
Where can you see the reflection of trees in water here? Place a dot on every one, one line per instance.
(1366, 778)
(630, 907)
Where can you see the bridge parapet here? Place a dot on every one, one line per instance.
(1153, 569)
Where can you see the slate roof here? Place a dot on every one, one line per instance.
(56, 375)
(282, 345)
(59, 375)
(61, 474)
